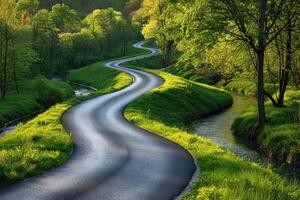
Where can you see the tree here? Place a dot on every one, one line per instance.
(154, 14)
(65, 18)
(45, 42)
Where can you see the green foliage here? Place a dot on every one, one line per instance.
(84, 6)
(65, 18)
(50, 92)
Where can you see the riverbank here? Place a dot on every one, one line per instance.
(280, 138)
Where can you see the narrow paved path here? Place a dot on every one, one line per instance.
(112, 158)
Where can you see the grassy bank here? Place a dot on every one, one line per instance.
(166, 110)
(280, 139)
(248, 88)
(34, 95)
(193, 76)
(42, 143)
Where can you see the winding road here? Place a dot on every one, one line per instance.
(112, 158)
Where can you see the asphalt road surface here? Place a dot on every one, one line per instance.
(112, 158)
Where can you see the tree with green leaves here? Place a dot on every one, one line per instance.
(65, 18)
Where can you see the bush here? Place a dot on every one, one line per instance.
(48, 93)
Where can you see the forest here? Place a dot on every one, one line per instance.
(220, 78)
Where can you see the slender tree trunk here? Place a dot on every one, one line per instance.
(260, 65)
(15, 72)
(260, 89)
(260, 57)
(288, 65)
(5, 62)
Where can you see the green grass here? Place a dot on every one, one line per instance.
(17, 105)
(166, 110)
(42, 143)
(193, 76)
(248, 88)
(97, 76)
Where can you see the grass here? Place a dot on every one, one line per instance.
(42, 143)
(18, 105)
(167, 109)
(197, 77)
(248, 88)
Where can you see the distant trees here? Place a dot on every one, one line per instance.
(154, 15)
(16, 53)
(50, 42)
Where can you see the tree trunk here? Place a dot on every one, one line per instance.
(5, 63)
(260, 57)
(288, 65)
(15, 72)
(260, 64)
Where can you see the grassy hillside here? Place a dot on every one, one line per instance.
(280, 139)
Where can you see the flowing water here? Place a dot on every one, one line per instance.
(218, 129)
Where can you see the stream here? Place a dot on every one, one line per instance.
(78, 91)
(218, 129)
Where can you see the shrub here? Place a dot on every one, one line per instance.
(48, 93)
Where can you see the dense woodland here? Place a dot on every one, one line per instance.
(50, 41)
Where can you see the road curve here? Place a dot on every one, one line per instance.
(112, 159)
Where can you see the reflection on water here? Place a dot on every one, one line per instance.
(218, 129)
(81, 90)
